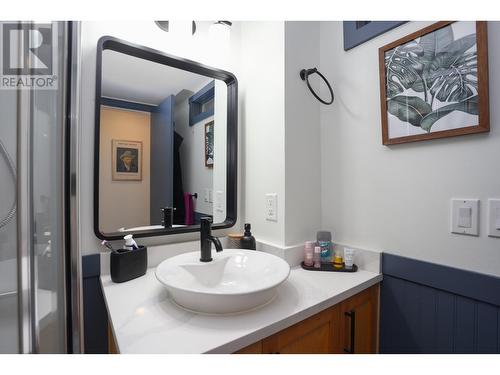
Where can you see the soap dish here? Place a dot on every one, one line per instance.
(329, 268)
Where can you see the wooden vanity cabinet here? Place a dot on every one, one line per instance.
(255, 348)
(112, 348)
(314, 335)
(359, 322)
(348, 327)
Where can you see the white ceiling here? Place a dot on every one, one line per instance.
(129, 78)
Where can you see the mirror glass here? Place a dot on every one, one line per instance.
(162, 146)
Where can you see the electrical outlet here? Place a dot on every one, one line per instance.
(272, 207)
(206, 195)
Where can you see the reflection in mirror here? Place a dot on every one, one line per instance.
(162, 146)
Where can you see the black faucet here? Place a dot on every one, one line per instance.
(207, 239)
(168, 216)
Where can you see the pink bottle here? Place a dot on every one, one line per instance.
(317, 257)
(309, 253)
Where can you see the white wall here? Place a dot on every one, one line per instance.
(123, 203)
(397, 198)
(302, 135)
(200, 47)
(262, 114)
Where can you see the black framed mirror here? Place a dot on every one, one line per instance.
(165, 148)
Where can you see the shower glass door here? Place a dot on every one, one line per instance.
(9, 341)
(34, 254)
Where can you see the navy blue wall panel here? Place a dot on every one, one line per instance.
(487, 328)
(428, 321)
(445, 309)
(464, 329)
(95, 316)
(420, 314)
(498, 335)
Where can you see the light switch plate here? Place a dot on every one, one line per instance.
(465, 216)
(272, 207)
(493, 217)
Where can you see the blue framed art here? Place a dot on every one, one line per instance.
(358, 32)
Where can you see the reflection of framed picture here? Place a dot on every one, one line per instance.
(434, 83)
(209, 144)
(127, 160)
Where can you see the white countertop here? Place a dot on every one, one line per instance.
(145, 320)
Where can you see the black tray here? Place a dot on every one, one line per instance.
(329, 268)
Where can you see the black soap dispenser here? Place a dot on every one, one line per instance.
(248, 241)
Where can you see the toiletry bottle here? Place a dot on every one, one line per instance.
(324, 240)
(309, 253)
(338, 262)
(349, 258)
(130, 244)
(317, 257)
(309, 260)
(234, 240)
(248, 241)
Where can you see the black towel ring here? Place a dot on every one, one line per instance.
(304, 75)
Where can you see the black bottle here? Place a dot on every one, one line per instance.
(248, 241)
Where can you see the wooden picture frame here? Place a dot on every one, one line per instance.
(456, 103)
(126, 158)
(209, 144)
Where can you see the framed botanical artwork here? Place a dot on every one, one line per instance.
(126, 160)
(209, 144)
(434, 83)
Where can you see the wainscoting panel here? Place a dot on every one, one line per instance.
(421, 314)
(95, 316)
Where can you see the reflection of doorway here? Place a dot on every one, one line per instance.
(162, 163)
(178, 194)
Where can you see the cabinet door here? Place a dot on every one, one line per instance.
(255, 348)
(359, 322)
(112, 349)
(315, 335)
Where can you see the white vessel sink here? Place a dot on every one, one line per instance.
(147, 227)
(235, 281)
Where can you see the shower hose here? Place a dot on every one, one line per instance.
(12, 168)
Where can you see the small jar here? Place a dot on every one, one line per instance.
(309, 253)
(234, 240)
